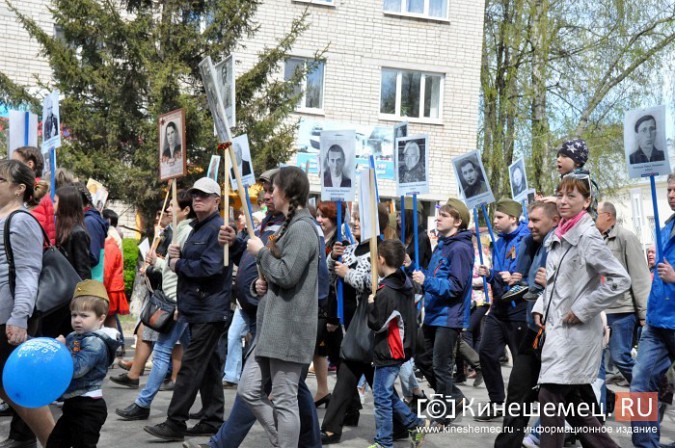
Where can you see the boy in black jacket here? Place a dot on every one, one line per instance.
(391, 316)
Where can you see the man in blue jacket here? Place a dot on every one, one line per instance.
(447, 298)
(656, 351)
(204, 288)
(505, 324)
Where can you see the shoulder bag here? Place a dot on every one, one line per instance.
(57, 280)
(158, 312)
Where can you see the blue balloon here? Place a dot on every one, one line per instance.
(37, 372)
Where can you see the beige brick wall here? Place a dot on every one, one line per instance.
(19, 54)
(362, 40)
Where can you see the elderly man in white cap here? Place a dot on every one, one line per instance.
(204, 288)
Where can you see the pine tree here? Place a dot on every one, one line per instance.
(120, 64)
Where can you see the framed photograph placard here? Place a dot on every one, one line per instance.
(645, 142)
(172, 145)
(412, 165)
(472, 181)
(518, 180)
(338, 167)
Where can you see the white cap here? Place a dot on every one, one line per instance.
(207, 185)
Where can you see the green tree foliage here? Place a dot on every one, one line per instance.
(120, 64)
(557, 69)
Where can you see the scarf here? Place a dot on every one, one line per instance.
(567, 224)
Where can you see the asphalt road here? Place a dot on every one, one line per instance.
(465, 433)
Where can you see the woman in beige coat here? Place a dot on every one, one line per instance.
(582, 279)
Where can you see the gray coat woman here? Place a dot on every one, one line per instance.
(287, 313)
(582, 279)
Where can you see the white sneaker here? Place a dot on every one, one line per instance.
(528, 442)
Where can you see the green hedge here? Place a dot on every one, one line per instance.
(130, 247)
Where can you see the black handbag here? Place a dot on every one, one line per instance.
(57, 280)
(540, 338)
(158, 312)
(358, 343)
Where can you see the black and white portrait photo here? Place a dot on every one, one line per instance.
(172, 154)
(645, 142)
(51, 119)
(411, 165)
(472, 179)
(518, 180)
(225, 77)
(212, 171)
(401, 130)
(242, 153)
(209, 78)
(337, 165)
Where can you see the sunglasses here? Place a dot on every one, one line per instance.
(577, 176)
(200, 194)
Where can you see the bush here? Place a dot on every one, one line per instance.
(130, 247)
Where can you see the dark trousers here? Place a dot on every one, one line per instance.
(521, 389)
(234, 430)
(348, 376)
(497, 334)
(201, 371)
(472, 335)
(575, 394)
(80, 425)
(438, 359)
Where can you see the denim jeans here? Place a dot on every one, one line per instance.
(387, 403)
(408, 378)
(657, 350)
(161, 360)
(621, 342)
(233, 362)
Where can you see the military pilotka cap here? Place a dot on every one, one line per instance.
(268, 175)
(91, 288)
(510, 207)
(461, 209)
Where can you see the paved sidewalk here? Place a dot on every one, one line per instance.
(465, 433)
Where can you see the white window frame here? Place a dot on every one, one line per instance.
(329, 3)
(424, 15)
(300, 107)
(420, 118)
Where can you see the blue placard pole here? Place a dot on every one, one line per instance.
(657, 222)
(52, 173)
(416, 233)
(26, 128)
(340, 294)
(527, 218)
(480, 253)
(248, 203)
(403, 220)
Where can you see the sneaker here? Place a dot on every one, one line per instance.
(490, 413)
(515, 292)
(165, 432)
(133, 412)
(528, 442)
(532, 296)
(478, 379)
(417, 434)
(191, 444)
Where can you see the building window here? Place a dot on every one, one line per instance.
(405, 93)
(311, 87)
(424, 8)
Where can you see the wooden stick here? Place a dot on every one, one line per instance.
(226, 203)
(374, 235)
(242, 194)
(174, 220)
(155, 240)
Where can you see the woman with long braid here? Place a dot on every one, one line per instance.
(287, 313)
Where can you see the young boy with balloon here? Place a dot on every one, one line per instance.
(92, 347)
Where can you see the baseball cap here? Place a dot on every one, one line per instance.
(206, 185)
(268, 175)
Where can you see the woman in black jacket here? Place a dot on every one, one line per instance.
(71, 237)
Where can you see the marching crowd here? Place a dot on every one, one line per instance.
(563, 281)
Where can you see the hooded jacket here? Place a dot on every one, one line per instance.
(93, 353)
(392, 317)
(44, 213)
(447, 282)
(97, 229)
(504, 256)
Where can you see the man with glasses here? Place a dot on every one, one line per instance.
(632, 306)
(204, 288)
